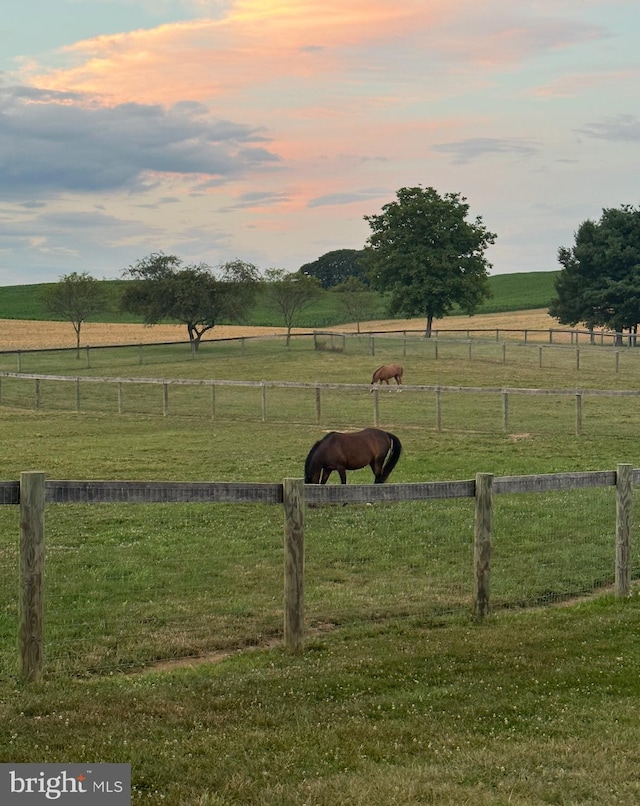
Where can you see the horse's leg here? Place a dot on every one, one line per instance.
(325, 475)
(376, 467)
(343, 475)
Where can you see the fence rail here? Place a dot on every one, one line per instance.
(571, 336)
(33, 491)
(545, 342)
(505, 393)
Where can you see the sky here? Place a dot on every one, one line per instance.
(266, 130)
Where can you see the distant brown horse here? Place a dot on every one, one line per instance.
(350, 451)
(386, 372)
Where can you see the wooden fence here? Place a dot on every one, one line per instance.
(33, 492)
(504, 393)
(551, 336)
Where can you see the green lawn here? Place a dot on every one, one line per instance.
(532, 708)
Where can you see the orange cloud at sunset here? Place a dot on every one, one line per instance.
(257, 42)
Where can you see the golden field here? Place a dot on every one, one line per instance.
(20, 334)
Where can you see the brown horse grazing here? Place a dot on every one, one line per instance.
(386, 372)
(350, 451)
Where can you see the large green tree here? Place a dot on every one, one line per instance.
(599, 284)
(427, 256)
(161, 288)
(75, 298)
(337, 266)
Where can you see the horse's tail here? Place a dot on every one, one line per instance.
(392, 457)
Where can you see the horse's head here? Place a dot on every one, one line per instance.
(309, 465)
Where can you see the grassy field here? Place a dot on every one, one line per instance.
(392, 702)
(456, 363)
(511, 292)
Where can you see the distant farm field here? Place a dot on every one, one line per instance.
(26, 334)
(509, 292)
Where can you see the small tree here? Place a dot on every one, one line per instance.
(75, 298)
(163, 290)
(290, 293)
(356, 300)
(427, 256)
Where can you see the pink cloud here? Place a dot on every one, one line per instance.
(273, 56)
(579, 83)
(259, 41)
(320, 78)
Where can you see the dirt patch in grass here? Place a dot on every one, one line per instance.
(20, 334)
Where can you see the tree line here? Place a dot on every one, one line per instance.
(424, 255)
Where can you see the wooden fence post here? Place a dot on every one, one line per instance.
(293, 501)
(438, 409)
(264, 402)
(119, 398)
(624, 519)
(482, 543)
(505, 411)
(77, 394)
(376, 406)
(31, 575)
(578, 414)
(318, 406)
(165, 399)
